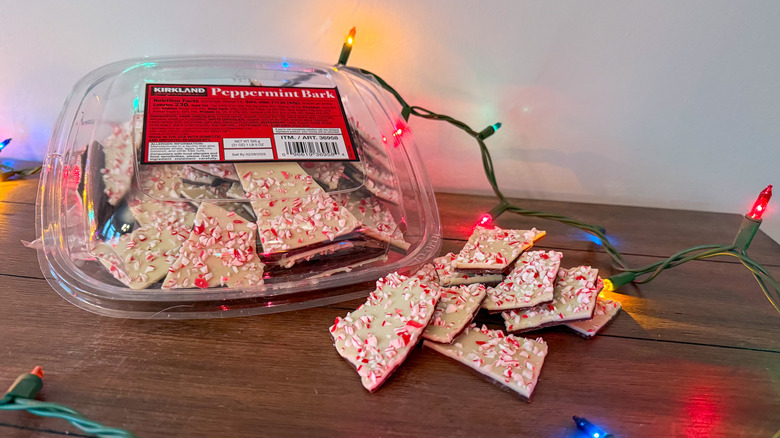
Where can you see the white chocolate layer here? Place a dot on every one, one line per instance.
(119, 152)
(141, 258)
(220, 251)
(531, 282)
(602, 315)
(445, 269)
(326, 173)
(455, 310)
(574, 299)
(380, 334)
(514, 362)
(221, 170)
(377, 220)
(495, 248)
(292, 210)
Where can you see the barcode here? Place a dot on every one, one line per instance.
(312, 148)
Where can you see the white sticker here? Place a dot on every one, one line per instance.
(247, 143)
(177, 151)
(249, 154)
(310, 146)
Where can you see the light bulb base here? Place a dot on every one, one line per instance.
(490, 130)
(496, 211)
(747, 231)
(614, 282)
(346, 49)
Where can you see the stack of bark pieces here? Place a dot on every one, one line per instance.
(493, 271)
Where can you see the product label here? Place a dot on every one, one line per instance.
(219, 123)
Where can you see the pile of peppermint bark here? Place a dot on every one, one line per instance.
(226, 225)
(494, 271)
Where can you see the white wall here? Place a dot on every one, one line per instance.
(669, 104)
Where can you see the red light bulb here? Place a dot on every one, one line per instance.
(760, 206)
(484, 219)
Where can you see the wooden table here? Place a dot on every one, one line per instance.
(695, 353)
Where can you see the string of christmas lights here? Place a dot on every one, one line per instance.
(21, 397)
(645, 274)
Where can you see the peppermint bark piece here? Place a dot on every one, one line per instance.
(119, 153)
(220, 251)
(574, 299)
(377, 220)
(220, 170)
(378, 336)
(292, 210)
(492, 250)
(530, 283)
(327, 173)
(445, 269)
(603, 314)
(150, 212)
(511, 361)
(455, 310)
(141, 258)
(387, 193)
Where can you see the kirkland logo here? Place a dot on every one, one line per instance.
(198, 91)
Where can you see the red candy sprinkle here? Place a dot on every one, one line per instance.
(201, 283)
(414, 324)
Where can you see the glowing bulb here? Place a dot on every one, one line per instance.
(384, 139)
(346, 48)
(589, 428)
(484, 219)
(285, 64)
(4, 143)
(760, 206)
(496, 126)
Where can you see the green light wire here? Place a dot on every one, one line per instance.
(637, 275)
(487, 163)
(54, 410)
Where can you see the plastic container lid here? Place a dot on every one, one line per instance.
(153, 202)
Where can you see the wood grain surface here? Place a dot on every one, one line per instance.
(695, 353)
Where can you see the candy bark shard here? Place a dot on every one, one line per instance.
(445, 269)
(574, 299)
(220, 251)
(530, 283)
(292, 210)
(495, 248)
(602, 315)
(455, 310)
(380, 334)
(220, 170)
(179, 215)
(119, 151)
(514, 362)
(377, 220)
(327, 173)
(141, 258)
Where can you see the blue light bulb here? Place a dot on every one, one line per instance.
(4, 143)
(589, 428)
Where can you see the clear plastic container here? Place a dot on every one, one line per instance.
(105, 218)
